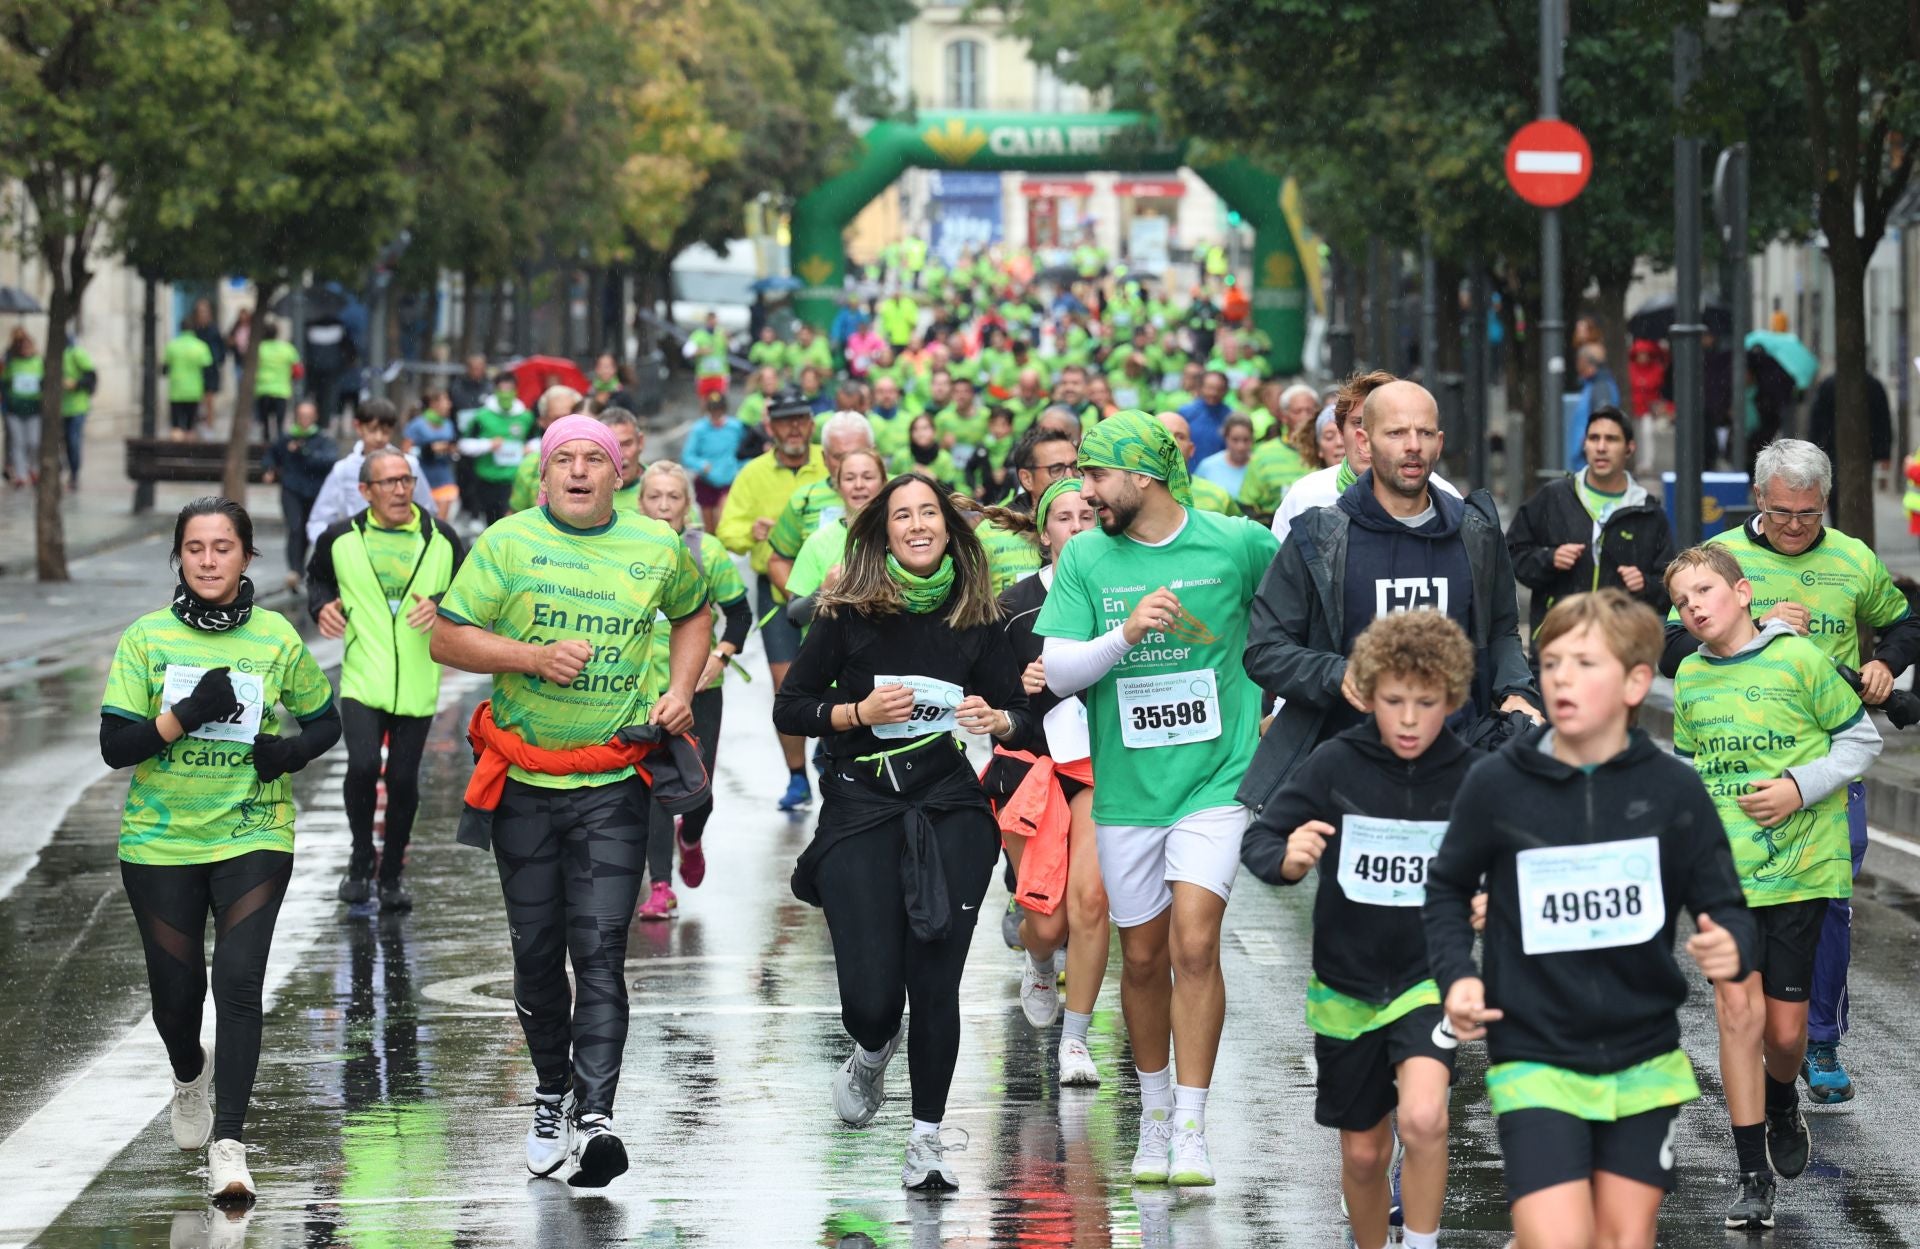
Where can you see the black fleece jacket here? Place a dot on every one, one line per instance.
(1593, 1011)
(1374, 953)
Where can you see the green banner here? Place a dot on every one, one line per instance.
(1046, 143)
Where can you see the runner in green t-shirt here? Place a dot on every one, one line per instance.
(208, 825)
(273, 381)
(1776, 735)
(559, 604)
(817, 502)
(1149, 617)
(666, 495)
(184, 360)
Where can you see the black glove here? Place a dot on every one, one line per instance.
(274, 756)
(211, 700)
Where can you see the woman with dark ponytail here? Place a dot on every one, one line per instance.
(208, 825)
(905, 650)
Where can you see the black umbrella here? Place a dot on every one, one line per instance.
(13, 299)
(322, 302)
(1654, 319)
(1059, 275)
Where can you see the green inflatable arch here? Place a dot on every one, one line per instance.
(1047, 143)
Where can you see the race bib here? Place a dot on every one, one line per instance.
(1384, 862)
(509, 453)
(242, 726)
(933, 704)
(1590, 897)
(1066, 727)
(25, 383)
(830, 514)
(1169, 709)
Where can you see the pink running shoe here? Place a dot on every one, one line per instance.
(659, 903)
(693, 861)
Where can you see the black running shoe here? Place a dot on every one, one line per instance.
(354, 889)
(395, 896)
(1752, 1210)
(1789, 1144)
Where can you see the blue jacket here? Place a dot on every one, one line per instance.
(712, 453)
(1203, 421)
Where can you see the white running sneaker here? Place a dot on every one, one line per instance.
(1152, 1154)
(1039, 992)
(227, 1175)
(192, 1110)
(859, 1088)
(927, 1168)
(598, 1155)
(1076, 1065)
(1190, 1167)
(551, 1137)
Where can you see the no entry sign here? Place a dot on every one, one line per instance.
(1548, 163)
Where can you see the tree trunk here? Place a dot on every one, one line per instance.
(1852, 441)
(1447, 300)
(234, 481)
(49, 526)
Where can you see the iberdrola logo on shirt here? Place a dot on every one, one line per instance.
(1186, 626)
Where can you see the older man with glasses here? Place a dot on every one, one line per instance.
(1821, 583)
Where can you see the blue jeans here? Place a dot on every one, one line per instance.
(1827, 1004)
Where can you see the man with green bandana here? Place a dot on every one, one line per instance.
(1149, 617)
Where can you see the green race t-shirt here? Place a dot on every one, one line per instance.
(811, 506)
(183, 358)
(1599, 503)
(1271, 472)
(1010, 556)
(1750, 718)
(393, 554)
(1839, 580)
(275, 369)
(1182, 696)
(534, 579)
(723, 586)
(827, 547)
(200, 800)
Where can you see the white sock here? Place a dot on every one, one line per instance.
(1076, 1025)
(1156, 1092)
(1190, 1108)
(922, 1128)
(1420, 1240)
(869, 1058)
(1039, 971)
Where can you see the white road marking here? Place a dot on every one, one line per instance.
(1260, 947)
(1893, 841)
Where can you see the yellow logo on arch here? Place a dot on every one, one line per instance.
(815, 270)
(1280, 270)
(955, 143)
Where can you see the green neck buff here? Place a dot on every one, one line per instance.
(922, 594)
(1345, 477)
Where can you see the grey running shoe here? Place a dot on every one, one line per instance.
(1752, 1210)
(927, 1168)
(860, 1088)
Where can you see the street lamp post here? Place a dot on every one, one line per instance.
(1689, 396)
(1553, 364)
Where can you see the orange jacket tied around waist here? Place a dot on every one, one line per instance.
(1037, 810)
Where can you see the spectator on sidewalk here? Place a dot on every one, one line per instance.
(299, 461)
(185, 361)
(375, 423)
(273, 382)
(21, 374)
(77, 382)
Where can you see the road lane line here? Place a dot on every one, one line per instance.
(1893, 841)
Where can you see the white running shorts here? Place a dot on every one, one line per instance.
(1138, 864)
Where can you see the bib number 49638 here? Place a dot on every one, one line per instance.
(1592, 897)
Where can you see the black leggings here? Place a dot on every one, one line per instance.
(570, 868)
(294, 510)
(693, 825)
(406, 740)
(881, 968)
(171, 905)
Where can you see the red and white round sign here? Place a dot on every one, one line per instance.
(1548, 163)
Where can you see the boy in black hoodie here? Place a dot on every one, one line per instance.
(1378, 796)
(1588, 838)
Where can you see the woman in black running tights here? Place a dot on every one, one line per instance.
(208, 826)
(904, 651)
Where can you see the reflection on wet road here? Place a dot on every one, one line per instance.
(389, 1106)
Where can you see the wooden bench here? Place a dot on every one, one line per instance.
(162, 459)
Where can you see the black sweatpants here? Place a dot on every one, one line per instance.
(365, 728)
(171, 905)
(693, 825)
(570, 868)
(881, 968)
(294, 510)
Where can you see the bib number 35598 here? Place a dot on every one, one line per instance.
(1169, 709)
(1590, 897)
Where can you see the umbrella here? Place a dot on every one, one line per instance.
(1060, 275)
(536, 373)
(776, 285)
(1654, 319)
(321, 302)
(13, 299)
(1789, 353)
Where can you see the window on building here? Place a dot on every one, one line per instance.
(963, 73)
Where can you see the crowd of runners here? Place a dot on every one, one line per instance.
(1186, 617)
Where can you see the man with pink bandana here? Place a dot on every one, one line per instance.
(558, 604)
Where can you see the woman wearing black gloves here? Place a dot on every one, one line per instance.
(208, 827)
(904, 650)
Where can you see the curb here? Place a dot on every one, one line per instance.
(140, 526)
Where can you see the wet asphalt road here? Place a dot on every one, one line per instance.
(388, 1111)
